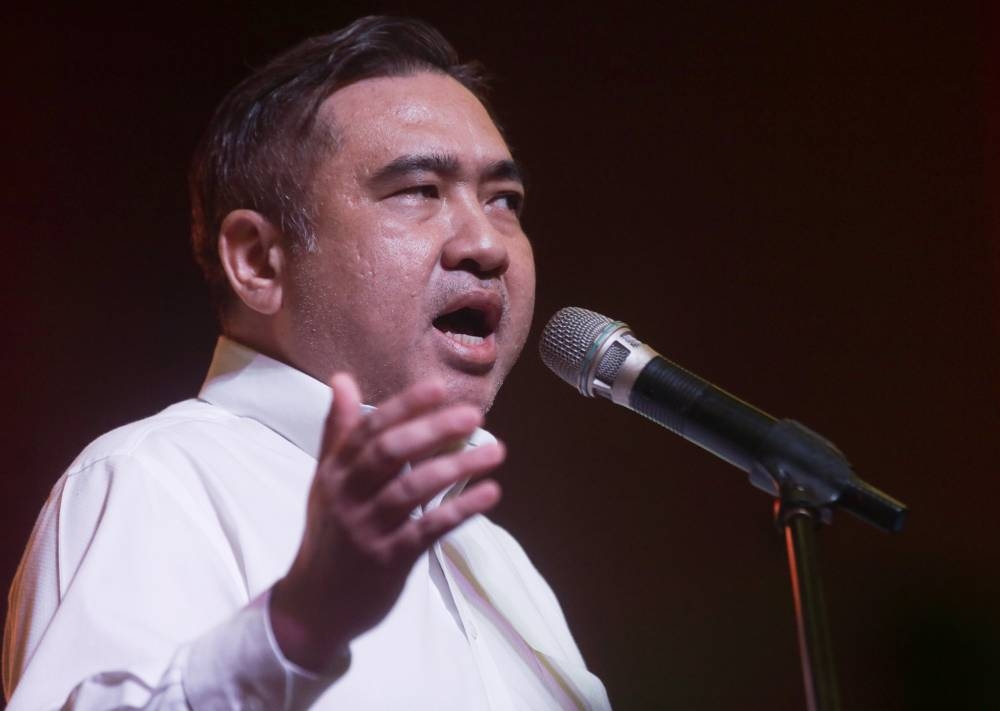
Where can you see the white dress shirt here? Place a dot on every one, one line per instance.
(146, 578)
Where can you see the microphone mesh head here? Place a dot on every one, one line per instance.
(566, 339)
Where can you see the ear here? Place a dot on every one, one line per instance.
(252, 252)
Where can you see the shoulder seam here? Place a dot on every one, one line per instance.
(135, 440)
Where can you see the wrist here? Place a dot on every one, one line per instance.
(300, 639)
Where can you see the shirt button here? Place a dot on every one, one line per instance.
(473, 632)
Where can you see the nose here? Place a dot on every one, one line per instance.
(476, 245)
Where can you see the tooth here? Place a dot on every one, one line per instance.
(466, 338)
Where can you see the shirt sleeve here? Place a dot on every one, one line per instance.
(130, 595)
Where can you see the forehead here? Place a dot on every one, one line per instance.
(376, 120)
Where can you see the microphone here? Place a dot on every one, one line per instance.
(601, 357)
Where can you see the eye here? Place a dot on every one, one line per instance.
(509, 201)
(419, 191)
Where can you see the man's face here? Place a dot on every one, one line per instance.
(422, 268)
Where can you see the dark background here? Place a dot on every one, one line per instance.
(792, 202)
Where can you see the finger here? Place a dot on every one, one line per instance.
(421, 533)
(404, 493)
(414, 401)
(411, 441)
(344, 415)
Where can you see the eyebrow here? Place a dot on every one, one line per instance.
(446, 165)
(507, 169)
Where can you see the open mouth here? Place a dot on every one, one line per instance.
(471, 320)
(466, 325)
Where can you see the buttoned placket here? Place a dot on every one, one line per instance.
(468, 625)
(497, 696)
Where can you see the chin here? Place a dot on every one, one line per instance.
(478, 391)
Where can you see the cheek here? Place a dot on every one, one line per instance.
(396, 247)
(521, 293)
(397, 275)
(392, 288)
(522, 275)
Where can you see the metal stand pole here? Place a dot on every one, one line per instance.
(800, 523)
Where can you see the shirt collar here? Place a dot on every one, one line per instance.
(280, 397)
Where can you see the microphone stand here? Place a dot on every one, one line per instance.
(809, 476)
(800, 521)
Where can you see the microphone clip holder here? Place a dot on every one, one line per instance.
(793, 461)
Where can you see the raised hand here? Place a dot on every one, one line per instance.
(360, 542)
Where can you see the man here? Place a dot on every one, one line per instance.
(356, 213)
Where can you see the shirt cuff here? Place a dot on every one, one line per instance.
(238, 665)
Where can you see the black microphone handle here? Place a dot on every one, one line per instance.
(700, 412)
(777, 454)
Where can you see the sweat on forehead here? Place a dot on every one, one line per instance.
(389, 127)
